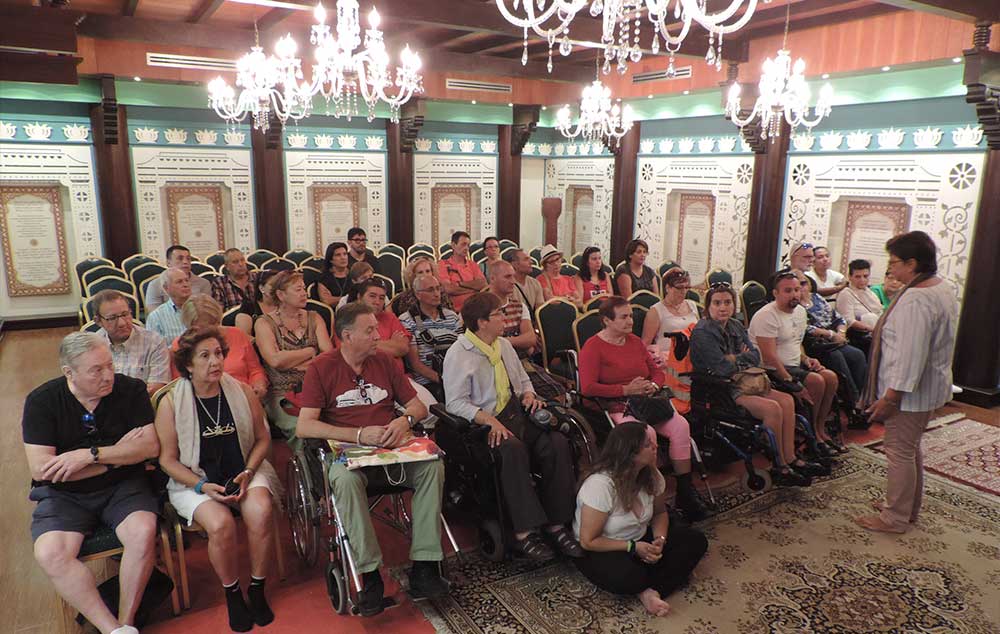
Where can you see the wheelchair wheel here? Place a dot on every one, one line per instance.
(491, 540)
(302, 513)
(759, 481)
(583, 441)
(336, 587)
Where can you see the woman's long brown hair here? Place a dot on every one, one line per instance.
(617, 460)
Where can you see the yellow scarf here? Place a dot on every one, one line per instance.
(500, 377)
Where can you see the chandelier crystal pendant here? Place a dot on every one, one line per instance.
(342, 72)
(782, 94)
(601, 118)
(621, 29)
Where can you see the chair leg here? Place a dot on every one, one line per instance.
(278, 553)
(182, 565)
(168, 561)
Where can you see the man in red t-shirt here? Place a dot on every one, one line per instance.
(460, 276)
(348, 394)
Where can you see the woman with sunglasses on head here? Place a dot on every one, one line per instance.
(631, 547)
(633, 274)
(592, 281)
(674, 313)
(721, 347)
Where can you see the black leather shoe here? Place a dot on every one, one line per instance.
(426, 581)
(789, 478)
(836, 447)
(370, 597)
(811, 469)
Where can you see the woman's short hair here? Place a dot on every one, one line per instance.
(330, 250)
(188, 341)
(410, 272)
(282, 282)
(714, 290)
(584, 271)
(358, 269)
(477, 307)
(858, 265)
(633, 245)
(915, 245)
(675, 275)
(201, 308)
(609, 305)
(262, 280)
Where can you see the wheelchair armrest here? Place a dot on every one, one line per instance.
(456, 423)
(569, 357)
(709, 379)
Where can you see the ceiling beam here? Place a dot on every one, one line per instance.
(273, 18)
(965, 10)
(129, 7)
(464, 38)
(205, 10)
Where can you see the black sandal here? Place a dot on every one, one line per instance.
(565, 543)
(533, 547)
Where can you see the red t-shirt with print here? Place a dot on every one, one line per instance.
(354, 400)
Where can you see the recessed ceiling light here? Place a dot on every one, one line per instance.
(956, 60)
(649, 96)
(886, 68)
(510, 104)
(826, 75)
(543, 107)
(473, 102)
(687, 92)
(137, 78)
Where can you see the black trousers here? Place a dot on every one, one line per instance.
(550, 454)
(624, 573)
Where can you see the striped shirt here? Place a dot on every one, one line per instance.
(918, 339)
(166, 321)
(444, 330)
(142, 356)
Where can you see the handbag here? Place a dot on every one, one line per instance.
(817, 347)
(752, 382)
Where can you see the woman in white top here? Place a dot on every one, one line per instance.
(630, 545)
(858, 304)
(673, 313)
(909, 374)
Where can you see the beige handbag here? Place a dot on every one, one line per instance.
(752, 382)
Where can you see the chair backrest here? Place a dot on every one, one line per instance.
(505, 253)
(200, 267)
(586, 326)
(535, 270)
(145, 272)
(298, 256)
(163, 391)
(569, 269)
(551, 318)
(132, 261)
(594, 303)
(98, 272)
(278, 264)
(638, 319)
(88, 307)
(753, 297)
(719, 276)
(507, 244)
(390, 285)
(229, 317)
(324, 311)
(693, 295)
(85, 265)
(536, 253)
(395, 249)
(643, 298)
(310, 275)
(314, 262)
(260, 256)
(475, 246)
(390, 265)
(109, 282)
(420, 247)
(444, 251)
(209, 276)
(576, 259)
(666, 266)
(216, 260)
(479, 256)
(90, 326)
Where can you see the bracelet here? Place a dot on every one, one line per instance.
(251, 472)
(630, 546)
(197, 487)
(358, 440)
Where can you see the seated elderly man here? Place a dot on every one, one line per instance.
(434, 329)
(349, 394)
(86, 435)
(166, 320)
(479, 372)
(237, 284)
(137, 352)
(178, 257)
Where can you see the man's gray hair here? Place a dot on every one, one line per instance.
(421, 282)
(165, 276)
(496, 266)
(76, 344)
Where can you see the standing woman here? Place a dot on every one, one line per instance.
(212, 433)
(334, 283)
(633, 275)
(554, 283)
(630, 545)
(592, 281)
(909, 374)
(288, 339)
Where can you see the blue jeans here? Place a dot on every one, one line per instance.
(851, 366)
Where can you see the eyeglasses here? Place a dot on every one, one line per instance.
(433, 289)
(112, 318)
(894, 261)
(359, 239)
(804, 245)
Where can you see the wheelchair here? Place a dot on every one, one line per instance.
(472, 482)
(311, 504)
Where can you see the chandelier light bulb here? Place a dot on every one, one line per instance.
(373, 18)
(286, 47)
(319, 13)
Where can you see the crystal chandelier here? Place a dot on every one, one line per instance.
(275, 84)
(550, 19)
(601, 118)
(782, 93)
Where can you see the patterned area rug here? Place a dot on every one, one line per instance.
(966, 451)
(781, 562)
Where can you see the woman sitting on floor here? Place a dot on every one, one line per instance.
(213, 444)
(630, 544)
(614, 364)
(720, 346)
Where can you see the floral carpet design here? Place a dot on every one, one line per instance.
(779, 562)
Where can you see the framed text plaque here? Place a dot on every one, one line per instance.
(581, 201)
(451, 211)
(336, 208)
(195, 213)
(694, 236)
(870, 224)
(34, 240)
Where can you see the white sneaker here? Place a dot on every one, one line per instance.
(125, 629)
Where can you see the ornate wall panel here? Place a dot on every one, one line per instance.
(726, 178)
(156, 168)
(563, 177)
(71, 168)
(431, 171)
(941, 190)
(305, 169)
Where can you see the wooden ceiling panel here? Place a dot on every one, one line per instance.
(177, 10)
(237, 15)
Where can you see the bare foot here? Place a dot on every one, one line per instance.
(653, 603)
(875, 523)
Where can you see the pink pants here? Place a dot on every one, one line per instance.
(905, 472)
(676, 430)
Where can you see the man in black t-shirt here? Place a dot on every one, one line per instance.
(357, 249)
(86, 435)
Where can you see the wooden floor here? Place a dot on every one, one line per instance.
(27, 359)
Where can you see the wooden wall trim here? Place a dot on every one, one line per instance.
(400, 182)
(766, 197)
(623, 201)
(269, 187)
(508, 186)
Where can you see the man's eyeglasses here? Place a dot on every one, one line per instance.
(359, 239)
(112, 318)
(433, 289)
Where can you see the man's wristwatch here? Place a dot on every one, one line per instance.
(95, 451)
(409, 421)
